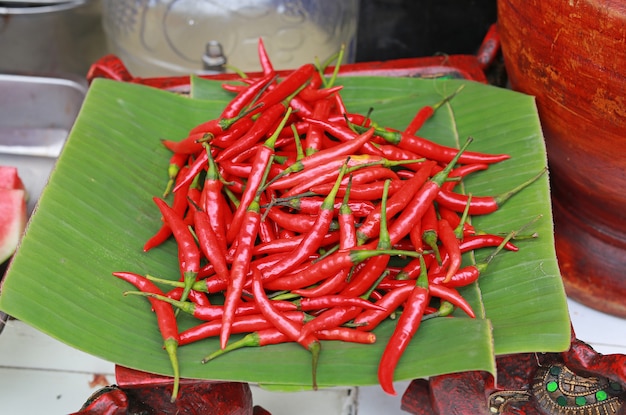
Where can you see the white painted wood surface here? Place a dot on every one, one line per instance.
(39, 375)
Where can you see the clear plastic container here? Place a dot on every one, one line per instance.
(176, 37)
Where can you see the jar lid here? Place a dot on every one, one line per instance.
(38, 6)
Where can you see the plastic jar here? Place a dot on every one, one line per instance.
(171, 37)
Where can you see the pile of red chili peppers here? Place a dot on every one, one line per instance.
(297, 211)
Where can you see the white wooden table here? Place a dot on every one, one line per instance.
(41, 375)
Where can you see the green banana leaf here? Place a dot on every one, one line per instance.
(96, 213)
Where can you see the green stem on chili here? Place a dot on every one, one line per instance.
(166, 320)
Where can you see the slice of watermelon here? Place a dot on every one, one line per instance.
(12, 220)
(13, 211)
(9, 178)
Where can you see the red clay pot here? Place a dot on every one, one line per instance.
(571, 55)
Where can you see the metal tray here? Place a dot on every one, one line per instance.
(36, 115)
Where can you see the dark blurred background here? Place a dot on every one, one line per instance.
(392, 29)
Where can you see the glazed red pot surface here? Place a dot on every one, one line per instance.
(571, 55)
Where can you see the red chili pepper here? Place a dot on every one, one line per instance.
(210, 245)
(454, 220)
(268, 231)
(473, 242)
(415, 237)
(197, 166)
(489, 47)
(264, 59)
(189, 145)
(196, 297)
(346, 219)
(430, 230)
(246, 97)
(218, 126)
(294, 222)
(301, 108)
(375, 172)
(179, 206)
(426, 112)
(194, 194)
(258, 130)
(188, 251)
(282, 245)
(312, 94)
(464, 171)
(343, 133)
(311, 205)
(259, 338)
(326, 266)
(368, 320)
(393, 152)
(212, 201)
(471, 273)
(311, 241)
(214, 312)
(240, 267)
(426, 195)
(346, 334)
(406, 327)
(242, 84)
(451, 243)
(367, 191)
(326, 173)
(271, 336)
(177, 162)
(396, 203)
(453, 296)
(321, 109)
(331, 318)
(236, 131)
(241, 324)
(288, 327)
(412, 269)
(329, 301)
(347, 240)
(322, 157)
(259, 165)
(292, 83)
(364, 279)
(482, 205)
(320, 175)
(432, 150)
(327, 286)
(166, 320)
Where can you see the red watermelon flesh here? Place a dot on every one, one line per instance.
(9, 178)
(12, 211)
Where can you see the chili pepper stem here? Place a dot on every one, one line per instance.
(500, 199)
(171, 347)
(458, 231)
(185, 306)
(315, 348)
(482, 266)
(189, 279)
(445, 309)
(332, 79)
(249, 340)
(448, 98)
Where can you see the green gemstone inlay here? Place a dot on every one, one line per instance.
(561, 400)
(615, 386)
(555, 370)
(601, 396)
(581, 401)
(552, 386)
